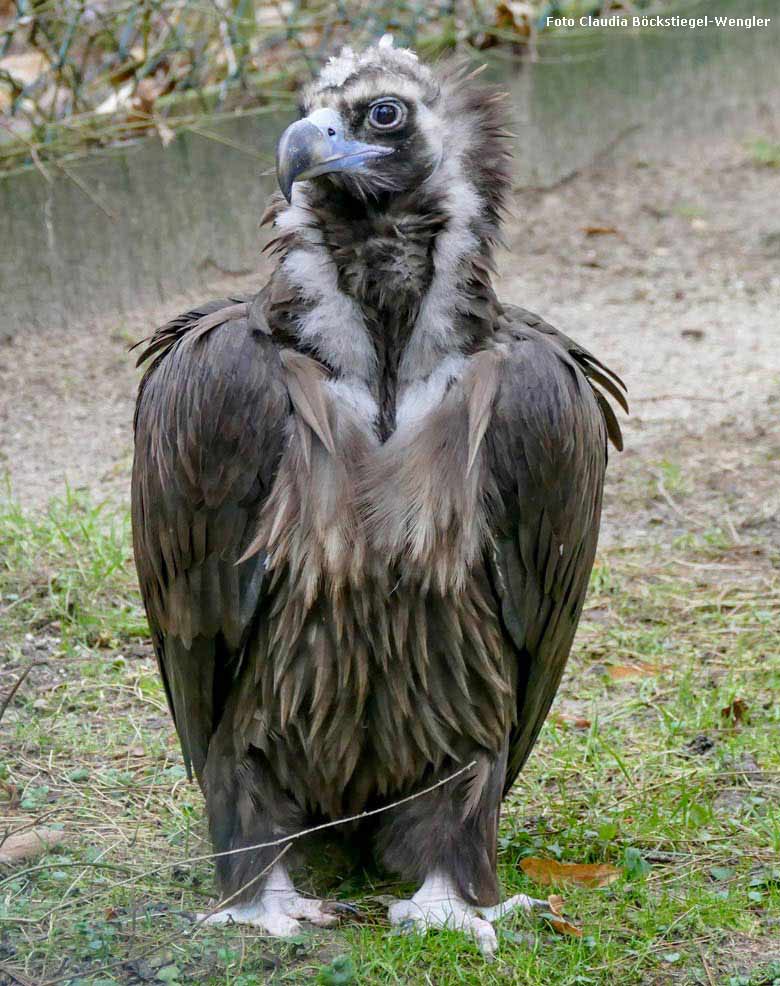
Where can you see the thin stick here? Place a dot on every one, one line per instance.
(299, 835)
(263, 845)
(15, 688)
(84, 188)
(219, 906)
(16, 976)
(171, 938)
(707, 969)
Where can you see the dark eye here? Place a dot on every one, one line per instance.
(386, 114)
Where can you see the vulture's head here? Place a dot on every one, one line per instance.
(379, 124)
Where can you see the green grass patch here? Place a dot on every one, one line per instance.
(661, 758)
(764, 152)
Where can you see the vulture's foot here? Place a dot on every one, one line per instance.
(279, 909)
(437, 904)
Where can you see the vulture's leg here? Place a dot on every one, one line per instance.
(437, 904)
(249, 816)
(278, 909)
(448, 838)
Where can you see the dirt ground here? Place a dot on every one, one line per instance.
(669, 273)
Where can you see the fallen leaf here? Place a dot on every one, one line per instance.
(513, 24)
(735, 711)
(25, 66)
(721, 872)
(564, 927)
(558, 920)
(579, 722)
(146, 94)
(29, 844)
(549, 872)
(117, 100)
(515, 18)
(555, 903)
(599, 230)
(637, 669)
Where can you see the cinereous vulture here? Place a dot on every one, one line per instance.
(365, 506)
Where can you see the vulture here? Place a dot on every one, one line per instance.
(365, 508)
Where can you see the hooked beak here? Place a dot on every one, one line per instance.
(317, 146)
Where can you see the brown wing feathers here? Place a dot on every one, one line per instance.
(213, 394)
(548, 453)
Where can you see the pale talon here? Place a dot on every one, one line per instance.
(278, 910)
(437, 904)
(518, 902)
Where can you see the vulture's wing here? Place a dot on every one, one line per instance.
(208, 434)
(547, 444)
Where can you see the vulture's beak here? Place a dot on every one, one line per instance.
(316, 146)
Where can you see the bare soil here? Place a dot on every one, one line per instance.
(669, 273)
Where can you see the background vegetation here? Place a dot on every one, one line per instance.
(75, 74)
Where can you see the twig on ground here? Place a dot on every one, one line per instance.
(17, 685)
(175, 936)
(285, 842)
(706, 966)
(17, 977)
(221, 904)
(652, 398)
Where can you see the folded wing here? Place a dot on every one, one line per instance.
(547, 444)
(208, 434)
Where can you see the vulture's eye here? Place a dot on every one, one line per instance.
(387, 114)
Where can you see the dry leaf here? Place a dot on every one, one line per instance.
(118, 99)
(549, 872)
(579, 722)
(24, 67)
(565, 927)
(29, 844)
(599, 230)
(515, 18)
(146, 94)
(555, 903)
(512, 24)
(637, 669)
(735, 711)
(558, 920)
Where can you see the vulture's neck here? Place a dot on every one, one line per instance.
(385, 294)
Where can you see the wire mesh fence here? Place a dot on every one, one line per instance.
(75, 74)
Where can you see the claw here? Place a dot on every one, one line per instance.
(341, 908)
(279, 909)
(437, 904)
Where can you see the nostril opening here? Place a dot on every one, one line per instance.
(331, 132)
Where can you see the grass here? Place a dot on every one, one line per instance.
(764, 152)
(639, 766)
